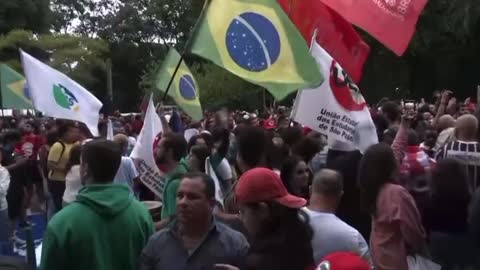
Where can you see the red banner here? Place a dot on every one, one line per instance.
(335, 34)
(392, 22)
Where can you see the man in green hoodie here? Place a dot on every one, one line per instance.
(106, 227)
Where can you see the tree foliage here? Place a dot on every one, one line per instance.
(33, 15)
(81, 58)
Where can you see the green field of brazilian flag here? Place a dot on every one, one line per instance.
(13, 91)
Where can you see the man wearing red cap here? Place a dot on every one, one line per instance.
(273, 218)
(343, 261)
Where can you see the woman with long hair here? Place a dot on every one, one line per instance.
(296, 176)
(73, 182)
(279, 232)
(196, 158)
(396, 224)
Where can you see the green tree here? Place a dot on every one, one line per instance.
(31, 15)
(138, 33)
(219, 88)
(83, 59)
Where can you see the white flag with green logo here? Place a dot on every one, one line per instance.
(56, 95)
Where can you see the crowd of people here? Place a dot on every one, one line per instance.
(291, 198)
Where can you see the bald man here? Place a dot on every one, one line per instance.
(465, 148)
(330, 234)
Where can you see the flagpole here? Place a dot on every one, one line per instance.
(187, 46)
(1, 99)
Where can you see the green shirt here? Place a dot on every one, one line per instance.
(172, 182)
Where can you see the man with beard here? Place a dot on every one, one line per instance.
(171, 152)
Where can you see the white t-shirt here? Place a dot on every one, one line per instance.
(4, 184)
(73, 184)
(126, 173)
(331, 234)
(224, 170)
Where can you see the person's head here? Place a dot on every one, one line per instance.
(327, 188)
(171, 148)
(196, 158)
(413, 139)
(391, 111)
(84, 132)
(295, 176)
(378, 166)
(74, 158)
(306, 148)
(195, 199)
(269, 212)
(122, 141)
(291, 135)
(251, 142)
(68, 131)
(196, 140)
(99, 161)
(12, 137)
(466, 128)
(445, 121)
(258, 191)
(27, 127)
(442, 188)
(427, 117)
(343, 260)
(52, 137)
(430, 138)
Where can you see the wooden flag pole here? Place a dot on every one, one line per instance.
(187, 46)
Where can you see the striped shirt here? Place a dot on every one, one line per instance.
(468, 154)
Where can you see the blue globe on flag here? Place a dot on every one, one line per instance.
(187, 87)
(253, 42)
(26, 92)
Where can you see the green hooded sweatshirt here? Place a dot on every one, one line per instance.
(105, 228)
(172, 183)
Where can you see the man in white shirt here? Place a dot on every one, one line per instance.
(127, 173)
(330, 234)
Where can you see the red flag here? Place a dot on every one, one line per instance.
(335, 34)
(392, 22)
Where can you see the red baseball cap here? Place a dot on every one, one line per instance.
(343, 261)
(264, 185)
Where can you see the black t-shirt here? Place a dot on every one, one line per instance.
(19, 174)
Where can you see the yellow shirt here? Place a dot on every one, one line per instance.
(56, 155)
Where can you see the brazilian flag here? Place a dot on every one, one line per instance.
(255, 40)
(14, 90)
(184, 88)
